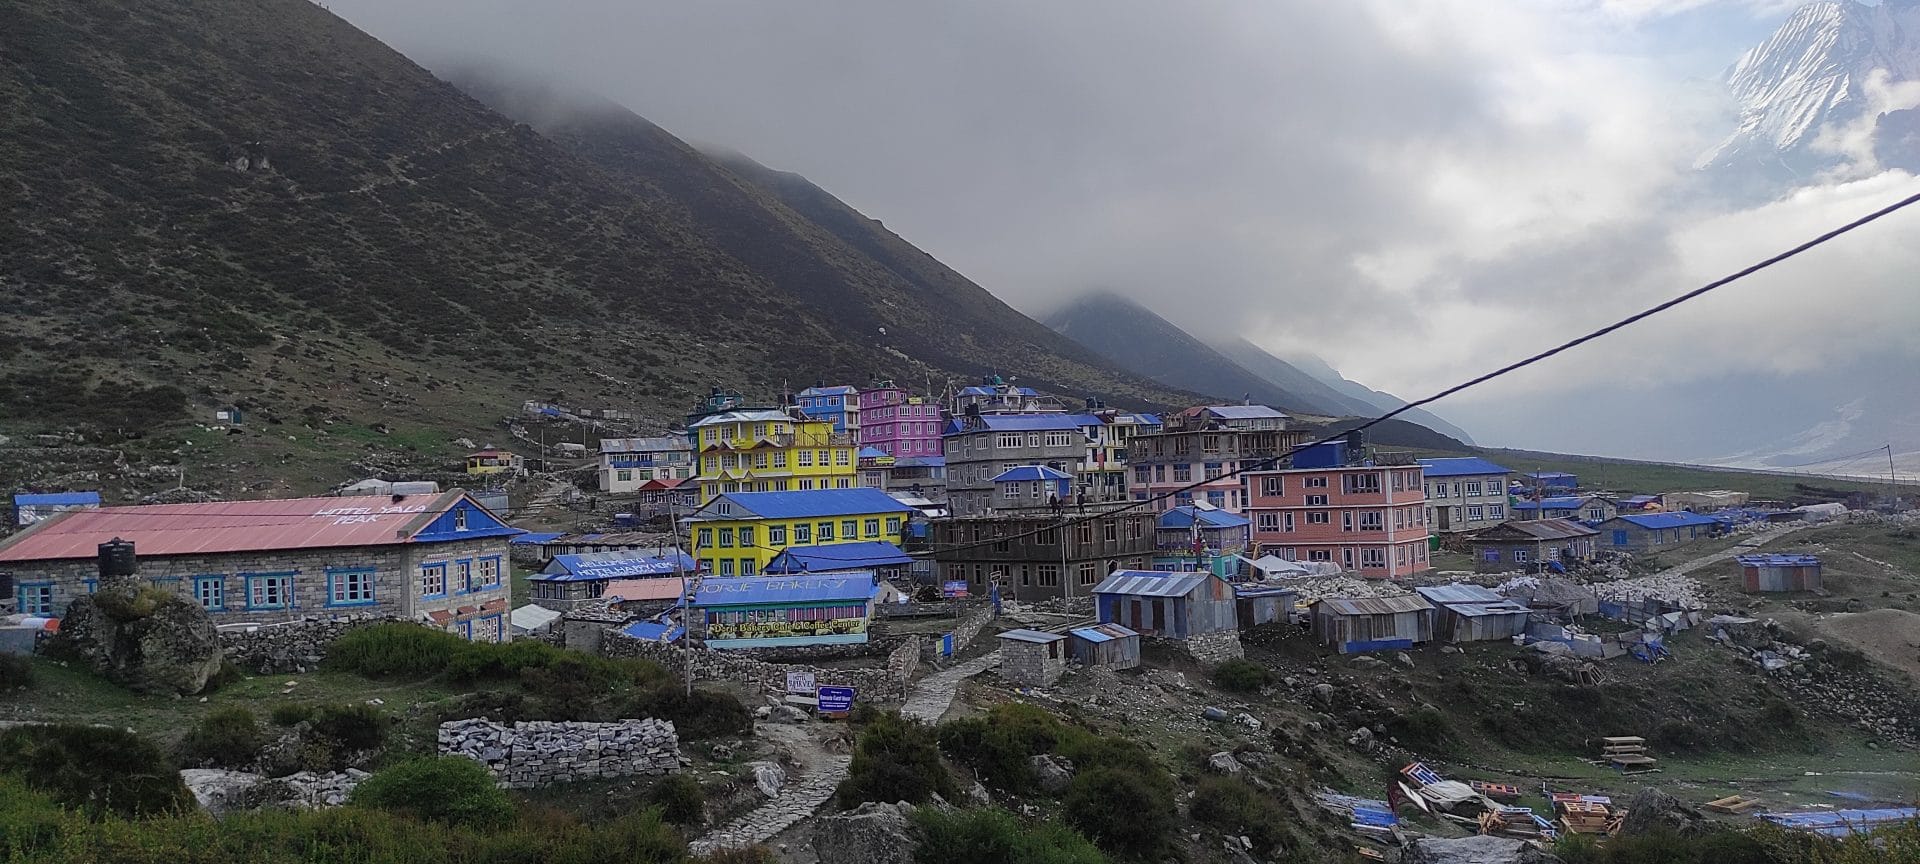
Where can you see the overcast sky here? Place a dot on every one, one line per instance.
(1416, 190)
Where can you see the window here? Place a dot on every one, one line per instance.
(849, 529)
(893, 526)
(1083, 533)
(1266, 521)
(760, 459)
(1439, 490)
(1286, 521)
(1159, 473)
(1047, 537)
(776, 535)
(463, 576)
(870, 528)
(1319, 554)
(1475, 513)
(1033, 439)
(824, 531)
(1496, 511)
(1316, 500)
(1057, 439)
(1473, 488)
(1143, 473)
(1520, 556)
(460, 519)
(1346, 520)
(1089, 573)
(1373, 556)
(843, 483)
(433, 580)
(211, 591)
(623, 475)
(35, 598)
(1355, 484)
(1134, 528)
(726, 566)
(806, 485)
(1007, 440)
(1490, 555)
(1318, 517)
(1217, 498)
(1049, 575)
(1318, 481)
(1213, 470)
(1399, 481)
(1111, 530)
(273, 590)
(1372, 520)
(779, 458)
(805, 458)
(489, 573)
(350, 587)
(841, 457)
(705, 538)
(1593, 514)
(1271, 485)
(1182, 473)
(746, 567)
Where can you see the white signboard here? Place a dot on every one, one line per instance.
(800, 682)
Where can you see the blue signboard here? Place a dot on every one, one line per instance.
(946, 645)
(835, 700)
(956, 588)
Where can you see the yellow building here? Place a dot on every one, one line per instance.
(738, 534)
(495, 461)
(764, 450)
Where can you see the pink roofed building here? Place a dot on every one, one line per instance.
(1369, 519)
(900, 424)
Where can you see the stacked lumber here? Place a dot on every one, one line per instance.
(1518, 822)
(1582, 817)
(1496, 791)
(1627, 753)
(1733, 804)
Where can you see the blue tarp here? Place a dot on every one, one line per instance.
(56, 499)
(1182, 517)
(841, 556)
(1658, 521)
(1461, 466)
(536, 539)
(1840, 823)
(652, 631)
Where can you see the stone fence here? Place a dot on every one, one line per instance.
(878, 684)
(538, 752)
(969, 626)
(289, 646)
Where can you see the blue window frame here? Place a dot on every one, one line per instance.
(433, 579)
(463, 576)
(1490, 555)
(350, 586)
(92, 585)
(1619, 538)
(269, 590)
(35, 598)
(488, 576)
(466, 630)
(211, 591)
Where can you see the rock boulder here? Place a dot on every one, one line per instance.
(872, 833)
(1475, 850)
(1052, 773)
(143, 638)
(1652, 810)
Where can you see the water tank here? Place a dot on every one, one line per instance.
(116, 559)
(1356, 446)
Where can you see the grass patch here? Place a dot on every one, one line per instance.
(973, 836)
(450, 790)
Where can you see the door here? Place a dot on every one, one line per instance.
(1160, 616)
(1135, 623)
(1445, 520)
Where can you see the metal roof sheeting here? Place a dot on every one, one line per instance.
(590, 566)
(1022, 473)
(1550, 529)
(1562, 502)
(1245, 412)
(776, 590)
(1150, 583)
(1024, 635)
(1460, 592)
(652, 631)
(531, 539)
(645, 589)
(1184, 516)
(808, 504)
(1027, 422)
(56, 499)
(1460, 466)
(838, 556)
(1103, 633)
(245, 526)
(1779, 560)
(1657, 521)
(1374, 605)
(743, 415)
(1481, 610)
(645, 445)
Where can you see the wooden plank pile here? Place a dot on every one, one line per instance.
(1733, 804)
(1519, 822)
(1587, 814)
(1496, 791)
(1628, 754)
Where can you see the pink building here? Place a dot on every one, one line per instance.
(901, 425)
(1368, 519)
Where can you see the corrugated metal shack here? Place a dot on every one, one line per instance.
(1351, 624)
(1470, 613)
(1175, 605)
(1030, 658)
(1255, 605)
(1780, 572)
(1109, 645)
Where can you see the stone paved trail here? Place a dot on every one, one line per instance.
(928, 701)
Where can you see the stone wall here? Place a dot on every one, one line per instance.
(537, 752)
(878, 684)
(289, 646)
(969, 626)
(1217, 647)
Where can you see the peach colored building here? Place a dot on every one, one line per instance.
(1371, 520)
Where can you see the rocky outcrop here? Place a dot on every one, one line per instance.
(221, 792)
(1652, 811)
(1475, 850)
(537, 752)
(142, 638)
(1051, 773)
(872, 833)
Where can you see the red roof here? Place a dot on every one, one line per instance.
(229, 526)
(644, 589)
(659, 484)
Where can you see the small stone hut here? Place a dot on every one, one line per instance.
(1030, 658)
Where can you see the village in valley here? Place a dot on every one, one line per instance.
(1302, 639)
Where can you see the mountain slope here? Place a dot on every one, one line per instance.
(1368, 400)
(871, 285)
(1132, 335)
(250, 202)
(1813, 73)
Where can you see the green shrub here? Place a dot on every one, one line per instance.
(1241, 676)
(394, 650)
(680, 800)
(1237, 809)
(95, 770)
(1422, 729)
(291, 714)
(706, 714)
(15, 672)
(739, 855)
(973, 836)
(225, 738)
(895, 760)
(1127, 813)
(452, 790)
(351, 728)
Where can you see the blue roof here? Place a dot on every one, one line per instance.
(1657, 521)
(1030, 472)
(1246, 412)
(1563, 502)
(835, 390)
(1150, 583)
(56, 499)
(1028, 422)
(1460, 466)
(1779, 560)
(978, 390)
(652, 631)
(840, 556)
(772, 590)
(1103, 633)
(1182, 517)
(810, 503)
(873, 453)
(536, 539)
(1549, 475)
(590, 566)
(920, 462)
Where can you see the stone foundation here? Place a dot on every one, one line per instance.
(877, 684)
(290, 646)
(537, 752)
(1214, 647)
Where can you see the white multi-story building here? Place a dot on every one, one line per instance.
(626, 464)
(1465, 494)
